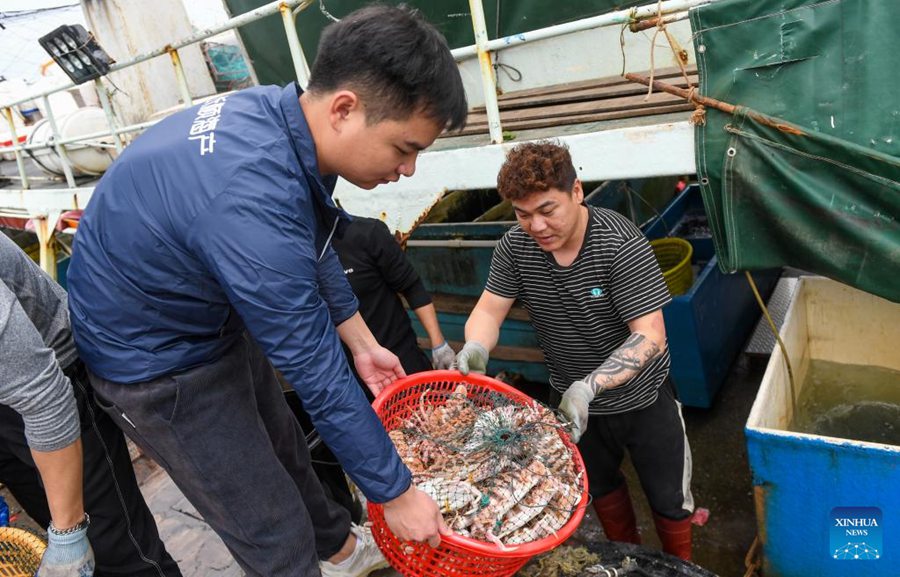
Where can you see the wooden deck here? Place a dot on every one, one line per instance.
(580, 102)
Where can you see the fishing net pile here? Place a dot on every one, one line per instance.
(498, 469)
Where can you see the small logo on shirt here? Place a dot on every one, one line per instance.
(348, 270)
(596, 292)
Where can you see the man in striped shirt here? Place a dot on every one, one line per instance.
(594, 292)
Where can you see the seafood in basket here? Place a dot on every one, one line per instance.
(498, 469)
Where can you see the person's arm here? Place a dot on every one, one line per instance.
(646, 343)
(483, 326)
(483, 332)
(62, 474)
(639, 293)
(264, 255)
(68, 550)
(485, 319)
(265, 260)
(427, 315)
(33, 385)
(376, 366)
(442, 354)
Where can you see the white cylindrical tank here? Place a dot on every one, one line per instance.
(86, 158)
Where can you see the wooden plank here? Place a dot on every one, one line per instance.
(479, 128)
(597, 106)
(593, 100)
(661, 74)
(589, 94)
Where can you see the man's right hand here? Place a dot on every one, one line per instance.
(473, 357)
(67, 555)
(414, 516)
(574, 405)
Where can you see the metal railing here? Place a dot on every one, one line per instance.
(74, 197)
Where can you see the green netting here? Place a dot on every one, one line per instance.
(821, 195)
(498, 468)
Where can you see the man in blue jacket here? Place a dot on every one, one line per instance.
(204, 256)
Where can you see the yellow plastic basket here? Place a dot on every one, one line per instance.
(674, 257)
(20, 552)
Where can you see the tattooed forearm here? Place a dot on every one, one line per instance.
(624, 363)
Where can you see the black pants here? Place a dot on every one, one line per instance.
(324, 463)
(225, 435)
(656, 442)
(123, 532)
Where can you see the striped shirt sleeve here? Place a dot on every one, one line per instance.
(503, 278)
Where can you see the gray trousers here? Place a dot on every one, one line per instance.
(226, 436)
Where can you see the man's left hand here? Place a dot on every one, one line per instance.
(442, 356)
(68, 554)
(378, 368)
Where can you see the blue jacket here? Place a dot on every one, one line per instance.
(216, 221)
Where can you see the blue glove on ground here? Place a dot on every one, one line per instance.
(67, 555)
(442, 356)
(473, 357)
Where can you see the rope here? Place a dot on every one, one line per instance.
(751, 561)
(784, 353)
(698, 116)
(660, 26)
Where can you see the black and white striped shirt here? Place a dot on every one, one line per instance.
(581, 311)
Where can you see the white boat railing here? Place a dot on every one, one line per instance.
(46, 205)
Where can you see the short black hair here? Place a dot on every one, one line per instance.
(396, 61)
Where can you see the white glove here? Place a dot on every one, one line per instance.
(67, 554)
(442, 356)
(473, 357)
(574, 406)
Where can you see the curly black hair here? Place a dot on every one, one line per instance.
(536, 167)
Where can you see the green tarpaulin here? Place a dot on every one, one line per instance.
(807, 172)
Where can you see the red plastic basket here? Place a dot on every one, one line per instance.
(458, 556)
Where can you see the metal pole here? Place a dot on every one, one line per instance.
(609, 19)
(301, 68)
(60, 149)
(110, 117)
(487, 71)
(18, 151)
(186, 99)
(95, 135)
